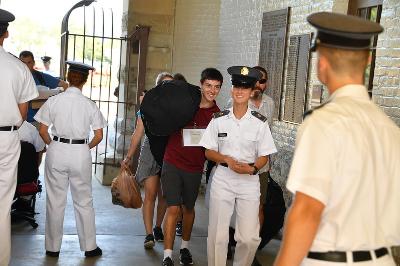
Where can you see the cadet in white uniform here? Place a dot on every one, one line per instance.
(240, 140)
(17, 88)
(345, 172)
(68, 160)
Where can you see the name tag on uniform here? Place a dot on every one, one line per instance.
(192, 136)
(222, 135)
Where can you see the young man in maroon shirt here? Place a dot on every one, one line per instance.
(183, 168)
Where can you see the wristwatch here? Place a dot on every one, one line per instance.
(255, 170)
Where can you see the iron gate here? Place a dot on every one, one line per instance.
(94, 43)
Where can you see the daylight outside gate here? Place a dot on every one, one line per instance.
(120, 64)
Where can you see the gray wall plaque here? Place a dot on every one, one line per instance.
(272, 52)
(297, 77)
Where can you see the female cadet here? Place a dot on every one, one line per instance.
(68, 160)
(147, 173)
(239, 140)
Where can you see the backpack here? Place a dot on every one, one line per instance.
(274, 213)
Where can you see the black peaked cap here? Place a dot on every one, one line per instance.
(244, 76)
(5, 17)
(79, 67)
(343, 31)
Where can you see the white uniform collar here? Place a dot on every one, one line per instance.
(74, 90)
(246, 115)
(2, 49)
(351, 90)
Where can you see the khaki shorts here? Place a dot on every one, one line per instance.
(263, 187)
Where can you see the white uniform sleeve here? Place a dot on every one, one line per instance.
(313, 166)
(266, 145)
(28, 91)
(98, 120)
(38, 142)
(209, 139)
(43, 115)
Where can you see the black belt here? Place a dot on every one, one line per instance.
(9, 128)
(226, 165)
(340, 256)
(70, 141)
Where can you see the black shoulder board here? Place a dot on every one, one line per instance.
(259, 116)
(309, 112)
(222, 113)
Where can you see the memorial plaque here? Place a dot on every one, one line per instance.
(272, 52)
(297, 77)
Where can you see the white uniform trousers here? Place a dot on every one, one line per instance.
(10, 149)
(386, 260)
(69, 164)
(231, 191)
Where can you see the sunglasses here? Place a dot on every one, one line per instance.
(262, 81)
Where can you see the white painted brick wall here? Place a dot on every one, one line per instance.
(386, 92)
(196, 37)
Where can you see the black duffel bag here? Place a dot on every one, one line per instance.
(165, 109)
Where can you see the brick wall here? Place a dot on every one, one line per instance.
(386, 91)
(195, 37)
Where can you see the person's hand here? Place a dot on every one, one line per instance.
(126, 162)
(243, 168)
(230, 162)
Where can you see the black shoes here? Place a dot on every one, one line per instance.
(54, 254)
(94, 253)
(167, 262)
(185, 258)
(179, 228)
(149, 242)
(158, 234)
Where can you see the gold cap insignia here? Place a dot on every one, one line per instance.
(244, 71)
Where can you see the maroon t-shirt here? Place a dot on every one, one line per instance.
(189, 159)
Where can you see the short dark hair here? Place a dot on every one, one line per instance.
(26, 54)
(3, 29)
(76, 78)
(179, 76)
(263, 70)
(211, 74)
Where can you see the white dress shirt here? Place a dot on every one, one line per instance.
(347, 156)
(16, 86)
(71, 114)
(245, 140)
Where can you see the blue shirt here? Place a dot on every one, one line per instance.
(49, 81)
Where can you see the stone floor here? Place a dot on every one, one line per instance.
(120, 233)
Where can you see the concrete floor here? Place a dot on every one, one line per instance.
(120, 233)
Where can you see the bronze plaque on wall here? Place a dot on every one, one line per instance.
(297, 77)
(272, 52)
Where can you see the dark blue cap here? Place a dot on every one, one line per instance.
(343, 31)
(79, 67)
